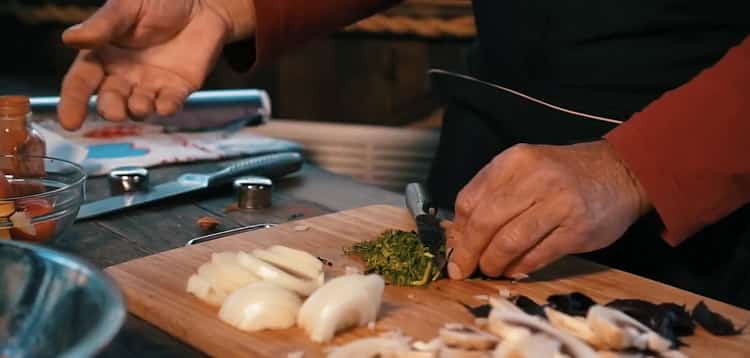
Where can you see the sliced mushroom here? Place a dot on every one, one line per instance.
(616, 330)
(375, 347)
(501, 304)
(448, 352)
(570, 345)
(576, 326)
(465, 337)
(433, 346)
(611, 354)
(535, 345)
(672, 354)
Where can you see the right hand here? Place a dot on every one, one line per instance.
(146, 56)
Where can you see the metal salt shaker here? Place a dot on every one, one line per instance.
(253, 192)
(128, 179)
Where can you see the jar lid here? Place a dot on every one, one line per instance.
(14, 105)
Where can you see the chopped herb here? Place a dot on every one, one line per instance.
(399, 257)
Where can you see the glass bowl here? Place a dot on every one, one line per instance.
(42, 203)
(53, 304)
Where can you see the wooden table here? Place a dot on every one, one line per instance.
(166, 225)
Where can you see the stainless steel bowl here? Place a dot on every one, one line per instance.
(53, 304)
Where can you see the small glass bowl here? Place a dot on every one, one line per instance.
(48, 203)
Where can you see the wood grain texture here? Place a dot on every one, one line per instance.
(155, 290)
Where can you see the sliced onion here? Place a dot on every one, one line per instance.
(259, 306)
(289, 264)
(201, 288)
(344, 302)
(272, 274)
(303, 257)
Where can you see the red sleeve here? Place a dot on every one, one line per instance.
(284, 24)
(690, 149)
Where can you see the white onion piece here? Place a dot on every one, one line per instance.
(298, 255)
(259, 306)
(226, 277)
(22, 222)
(201, 288)
(289, 264)
(269, 273)
(344, 302)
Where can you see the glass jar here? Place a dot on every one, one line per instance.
(19, 138)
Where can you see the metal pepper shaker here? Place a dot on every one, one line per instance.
(253, 192)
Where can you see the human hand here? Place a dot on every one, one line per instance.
(146, 56)
(534, 204)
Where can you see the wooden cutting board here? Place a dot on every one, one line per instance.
(154, 287)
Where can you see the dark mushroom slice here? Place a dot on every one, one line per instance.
(573, 304)
(481, 311)
(713, 322)
(529, 306)
(668, 319)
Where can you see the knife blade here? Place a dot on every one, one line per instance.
(271, 165)
(429, 231)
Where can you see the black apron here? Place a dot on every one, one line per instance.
(604, 57)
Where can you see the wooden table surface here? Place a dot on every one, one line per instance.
(166, 225)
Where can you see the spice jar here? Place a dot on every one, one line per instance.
(16, 134)
(18, 137)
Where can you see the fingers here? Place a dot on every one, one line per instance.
(81, 81)
(141, 102)
(519, 236)
(498, 173)
(549, 250)
(469, 197)
(113, 98)
(111, 21)
(170, 100)
(488, 217)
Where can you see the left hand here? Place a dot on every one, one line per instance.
(534, 204)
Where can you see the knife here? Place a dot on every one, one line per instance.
(271, 165)
(429, 231)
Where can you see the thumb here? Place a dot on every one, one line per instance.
(108, 23)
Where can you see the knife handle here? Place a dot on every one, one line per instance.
(271, 166)
(418, 200)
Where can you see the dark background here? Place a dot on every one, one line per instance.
(347, 77)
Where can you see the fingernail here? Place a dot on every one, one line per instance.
(454, 271)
